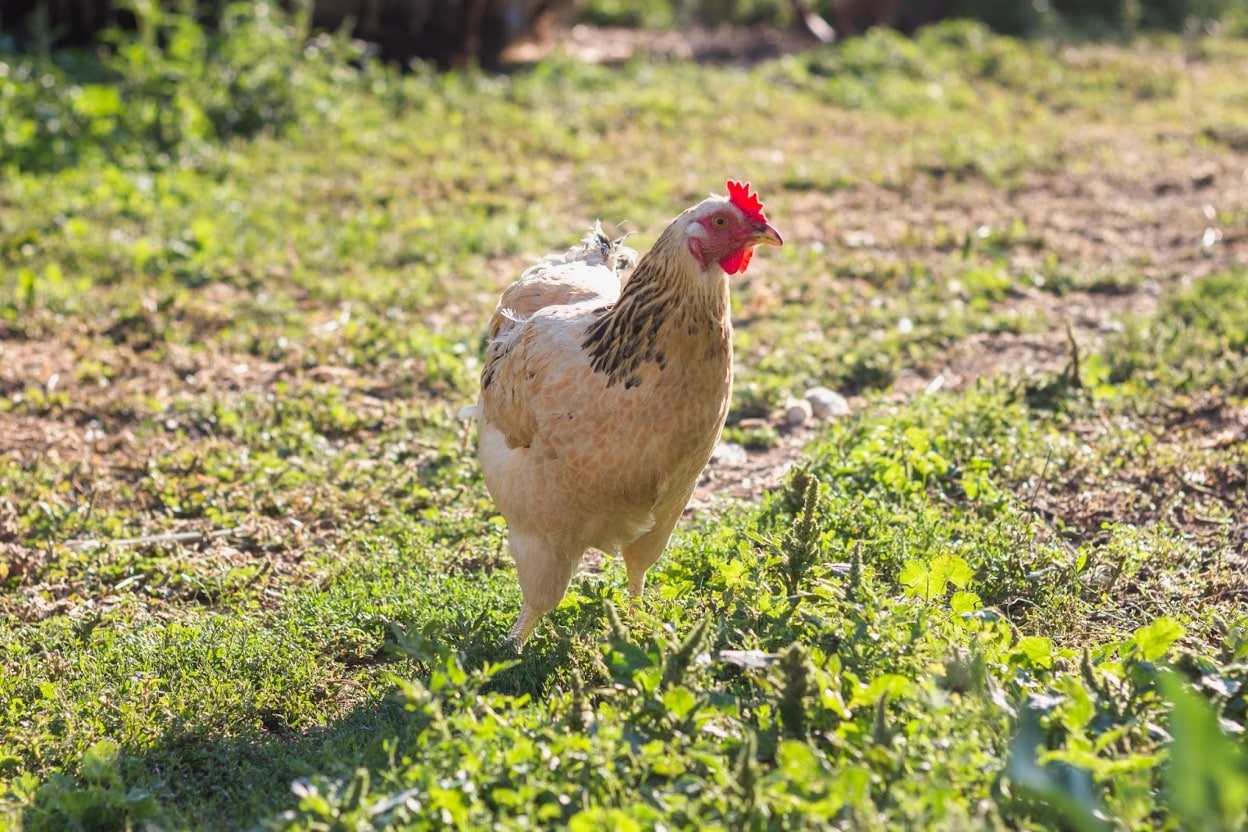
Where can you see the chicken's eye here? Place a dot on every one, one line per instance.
(719, 222)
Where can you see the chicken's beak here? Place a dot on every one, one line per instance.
(765, 234)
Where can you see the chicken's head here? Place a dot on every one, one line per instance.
(724, 230)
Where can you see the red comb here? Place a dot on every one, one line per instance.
(740, 196)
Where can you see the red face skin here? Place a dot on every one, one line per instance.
(730, 239)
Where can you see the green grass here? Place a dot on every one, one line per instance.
(249, 572)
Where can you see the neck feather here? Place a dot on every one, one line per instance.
(667, 297)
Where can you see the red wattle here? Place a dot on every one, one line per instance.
(737, 261)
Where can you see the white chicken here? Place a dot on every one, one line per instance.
(600, 405)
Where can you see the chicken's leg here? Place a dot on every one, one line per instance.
(525, 623)
(642, 553)
(544, 575)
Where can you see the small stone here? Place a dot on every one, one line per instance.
(797, 412)
(826, 404)
(729, 453)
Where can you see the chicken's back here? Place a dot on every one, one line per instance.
(592, 271)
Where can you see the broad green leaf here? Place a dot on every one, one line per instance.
(1078, 709)
(679, 701)
(930, 580)
(801, 765)
(963, 602)
(1154, 640)
(100, 763)
(830, 698)
(890, 684)
(919, 440)
(854, 785)
(1065, 789)
(1207, 776)
(916, 578)
(1037, 650)
(952, 570)
(598, 818)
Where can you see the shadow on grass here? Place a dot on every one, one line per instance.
(194, 780)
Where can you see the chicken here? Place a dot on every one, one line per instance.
(600, 404)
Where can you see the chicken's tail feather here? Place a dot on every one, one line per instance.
(593, 270)
(507, 313)
(596, 249)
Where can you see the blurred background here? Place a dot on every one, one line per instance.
(453, 33)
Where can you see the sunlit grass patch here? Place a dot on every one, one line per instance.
(244, 542)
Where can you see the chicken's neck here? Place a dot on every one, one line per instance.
(670, 314)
